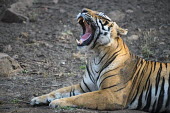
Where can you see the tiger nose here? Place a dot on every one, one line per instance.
(84, 10)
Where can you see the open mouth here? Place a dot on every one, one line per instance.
(88, 32)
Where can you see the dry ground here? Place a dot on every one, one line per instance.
(46, 47)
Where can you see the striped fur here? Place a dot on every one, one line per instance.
(114, 77)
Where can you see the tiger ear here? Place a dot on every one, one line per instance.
(120, 30)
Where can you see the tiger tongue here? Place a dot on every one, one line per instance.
(85, 36)
(88, 32)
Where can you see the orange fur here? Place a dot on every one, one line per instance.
(121, 81)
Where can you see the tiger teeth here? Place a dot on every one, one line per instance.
(83, 20)
(79, 19)
(78, 42)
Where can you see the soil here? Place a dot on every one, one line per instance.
(45, 47)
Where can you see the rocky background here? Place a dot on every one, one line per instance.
(38, 49)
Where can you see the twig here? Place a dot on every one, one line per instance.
(51, 86)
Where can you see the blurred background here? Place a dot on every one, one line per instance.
(38, 49)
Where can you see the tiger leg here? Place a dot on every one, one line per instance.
(60, 93)
(101, 100)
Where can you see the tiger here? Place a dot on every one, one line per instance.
(114, 78)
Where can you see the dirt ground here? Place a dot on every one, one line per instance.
(45, 47)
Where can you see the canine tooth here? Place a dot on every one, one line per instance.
(83, 20)
(79, 20)
(77, 41)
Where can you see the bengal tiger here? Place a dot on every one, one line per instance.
(114, 78)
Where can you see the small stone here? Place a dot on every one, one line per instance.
(129, 11)
(139, 29)
(7, 48)
(62, 10)
(8, 65)
(55, 1)
(166, 51)
(63, 62)
(24, 34)
(13, 17)
(133, 37)
(15, 57)
(162, 43)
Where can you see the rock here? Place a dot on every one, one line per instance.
(8, 65)
(13, 17)
(7, 48)
(129, 11)
(116, 15)
(62, 10)
(55, 1)
(161, 43)
(15, 57)
(13, 14)
(21, 5)
(133, 37)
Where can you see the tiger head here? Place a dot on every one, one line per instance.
(98, 30)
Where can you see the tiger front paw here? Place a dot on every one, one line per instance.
(45, 99)
(61, 103)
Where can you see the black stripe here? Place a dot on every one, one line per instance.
(102, 25)
(120, 89)
(161, 97)
(94, 44)
(82, 88)
(106, 22)
(168, 100)
(136, 77)
(91, 77)
(108, 63)
(90, 65)
(106, 78)
(139, 84)
(111, 70)
(111, 86)
(116, 84)
(140, 101)
(95, 41)
(110, 27)
(147, 80)
(101, 58)
(166, 65)
(111, 59)
(154, 107)
(154, 66)
(143, 73)
(105, 33)
(147, 89)
(150, 71)
(158, 78)
(73, 92)
(139, 63)
(134, 97)
(149, 74)
(137, 89)
(86, 85)
(148, 103)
